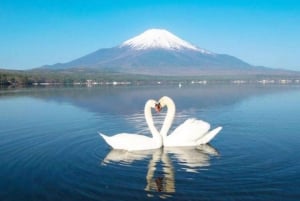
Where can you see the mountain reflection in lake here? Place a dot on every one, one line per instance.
(127, 100)
(51, 150)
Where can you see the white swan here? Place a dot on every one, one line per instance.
(136, 142)
(192, 132)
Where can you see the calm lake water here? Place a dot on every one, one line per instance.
(50, 148)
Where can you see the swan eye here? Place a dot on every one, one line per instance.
(158, 107)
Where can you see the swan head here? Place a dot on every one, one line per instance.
(158, 107)
(152, 104)
(163, 101)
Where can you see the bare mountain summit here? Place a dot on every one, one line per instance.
(158, 52)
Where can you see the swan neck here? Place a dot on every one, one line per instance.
(169, 117)
(149, 120)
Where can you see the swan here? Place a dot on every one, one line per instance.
(192, 132)
(136, 142)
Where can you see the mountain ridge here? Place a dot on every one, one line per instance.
(157, 51)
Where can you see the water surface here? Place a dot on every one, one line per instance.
(50, 148)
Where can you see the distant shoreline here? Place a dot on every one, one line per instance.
(47, 78)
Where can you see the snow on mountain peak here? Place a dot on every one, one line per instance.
(159, 38)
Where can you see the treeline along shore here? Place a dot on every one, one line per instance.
(35, 77)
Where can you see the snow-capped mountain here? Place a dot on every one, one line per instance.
(157, 52)
(159, 39)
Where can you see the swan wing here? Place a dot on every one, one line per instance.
(190, 130)
(209, 136)
(129, 141)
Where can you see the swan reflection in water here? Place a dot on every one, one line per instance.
(191, 159)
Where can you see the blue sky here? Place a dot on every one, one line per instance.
(38, 32)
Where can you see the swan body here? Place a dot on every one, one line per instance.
(192, 132)
(136, 142)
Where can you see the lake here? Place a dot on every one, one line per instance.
(50, 148)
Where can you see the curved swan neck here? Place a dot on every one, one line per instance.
(167, 101)
(149, 120)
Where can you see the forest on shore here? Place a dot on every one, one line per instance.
(39, 77)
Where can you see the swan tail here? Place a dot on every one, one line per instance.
(105, 137)
(102, 135)
(209, 136)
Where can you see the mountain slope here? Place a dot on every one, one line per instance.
(157, 51)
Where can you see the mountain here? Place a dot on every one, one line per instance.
(158, 52)
(159, 39)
